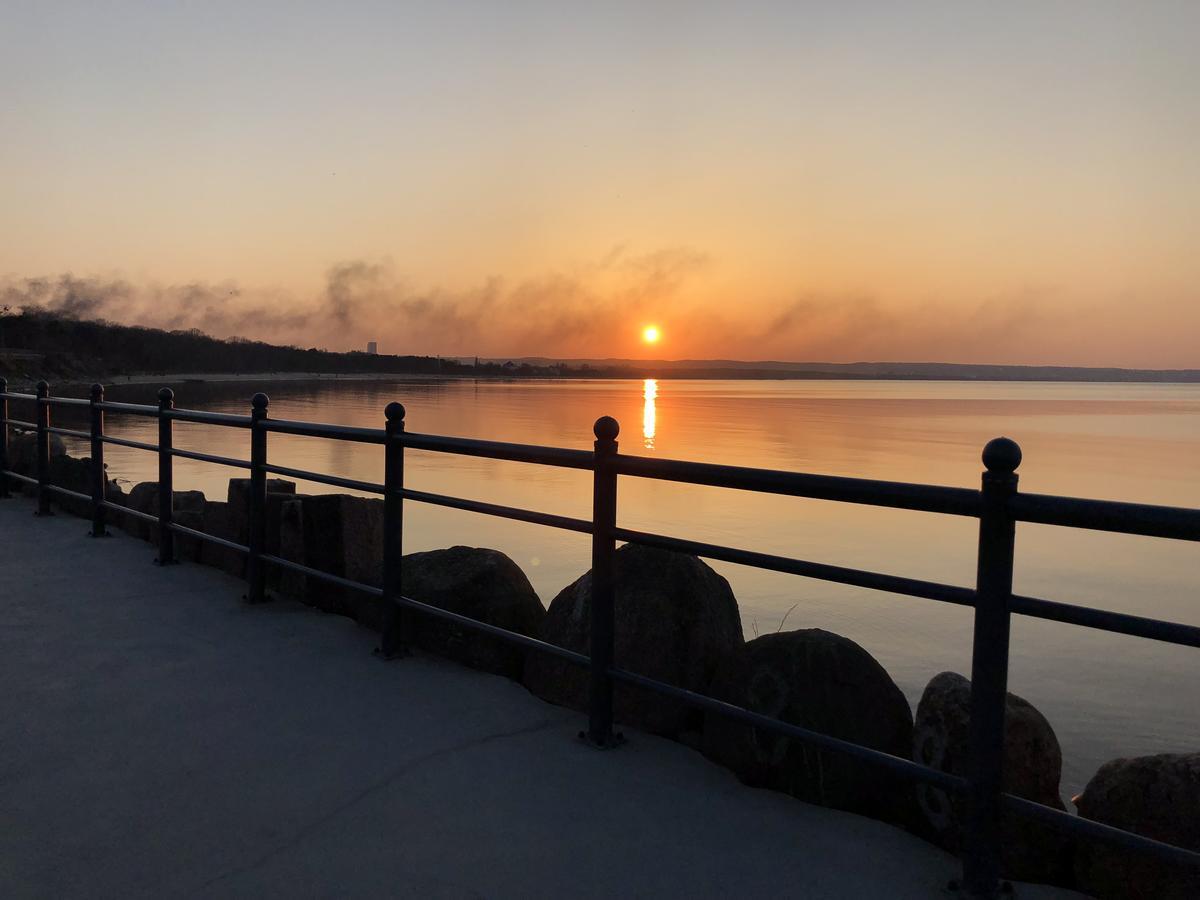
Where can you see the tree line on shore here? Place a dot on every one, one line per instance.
(36, 343)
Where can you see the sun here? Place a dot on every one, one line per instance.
(651, 334)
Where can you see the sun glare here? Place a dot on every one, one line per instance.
(651, 334)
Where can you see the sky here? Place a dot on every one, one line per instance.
(960, 182)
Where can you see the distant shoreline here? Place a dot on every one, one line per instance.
(68, 351)
(170, 379)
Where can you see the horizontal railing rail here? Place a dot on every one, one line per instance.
(567, 523)
(353, 484)
(545, 456)
(64, 401)
(998, 506)
(126, 442)
(1108, 515)
(209, 418)
(211, 458)
(70, 432)
(878, 581)
(337, 432)
(919, 497)
(133, 409)
(1105, 620)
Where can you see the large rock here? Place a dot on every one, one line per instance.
(74, 474)
(71, 472)
(1155, 796)
(1031, 851)
(826, 683)
(22, 451)
(291, 547)
(187, 547)
(143, 497)
(238, 498)
(676, 620)
(478, 583)
(343, 535)
(219, 520)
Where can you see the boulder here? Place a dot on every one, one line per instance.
(343, 535)
(143, 497)
(1155, 796)
(71, 472)
(74, 474)
(186, 547)
(675, 621)
(115, 493)
(291, 547)
(22, 451)
(238, 497)
(219, 521)
(276, 500)
(826, 683)
(1032, 851)
(482, 584)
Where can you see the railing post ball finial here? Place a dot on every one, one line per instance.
(43, 388)
(259, 400)
(1002, 455)
(394, 412)
(166, 396)
(606, 428)
(97, 392)
(3, 385)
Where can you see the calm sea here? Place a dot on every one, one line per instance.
(1106, 695)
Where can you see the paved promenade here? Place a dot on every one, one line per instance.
(160, 739)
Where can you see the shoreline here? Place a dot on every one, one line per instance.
(26, 385)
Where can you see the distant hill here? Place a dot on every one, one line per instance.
(913, 371)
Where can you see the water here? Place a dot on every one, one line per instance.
(1106, 695)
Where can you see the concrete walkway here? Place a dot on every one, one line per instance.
(160, 739)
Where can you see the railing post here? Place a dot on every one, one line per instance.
(256, 574)
(989, 670)
(392, 643)
(99, 481)
(3, 438)
(42, 421)
(166, 480)
(604, 549)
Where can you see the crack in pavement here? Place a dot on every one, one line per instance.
(370, 789)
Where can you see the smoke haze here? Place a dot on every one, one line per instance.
(597, 309)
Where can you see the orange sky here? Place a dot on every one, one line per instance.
(917, 181)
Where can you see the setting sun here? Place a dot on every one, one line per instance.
(651, 334)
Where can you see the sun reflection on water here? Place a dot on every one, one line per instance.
(649, 417)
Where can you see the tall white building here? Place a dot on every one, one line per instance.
(372, 347)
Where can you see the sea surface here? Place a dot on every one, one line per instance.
(1106, 695)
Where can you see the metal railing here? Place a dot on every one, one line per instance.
(997, 505)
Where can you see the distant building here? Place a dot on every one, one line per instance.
(372, 347)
